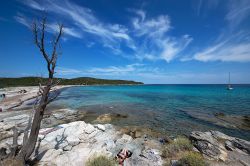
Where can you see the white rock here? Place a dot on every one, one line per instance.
(69, 133)
(51, 155)
(110, 144)
(126, 137)
(67, 148)
(4, 126)
(124, 140)
(19, 119)
(89, 129)
(100, 127)
(73, 140)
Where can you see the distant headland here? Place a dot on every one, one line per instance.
(34, 81)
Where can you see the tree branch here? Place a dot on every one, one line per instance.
(40, 44)
(55, 44)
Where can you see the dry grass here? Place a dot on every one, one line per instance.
(101, 161)
(192, 159)
(176, 146)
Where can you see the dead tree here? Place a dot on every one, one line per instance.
(30, 137)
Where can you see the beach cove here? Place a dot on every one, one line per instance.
(126, 114)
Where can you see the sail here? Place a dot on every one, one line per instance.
(229, 82)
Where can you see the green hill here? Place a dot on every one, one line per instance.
(34, 81)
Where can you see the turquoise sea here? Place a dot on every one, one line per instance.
(171, 109)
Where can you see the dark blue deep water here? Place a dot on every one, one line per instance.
(173, 109)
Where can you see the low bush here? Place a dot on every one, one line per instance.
(101, 161)
(192, 159)
(170, 150)
(179, 144)
(183, 143)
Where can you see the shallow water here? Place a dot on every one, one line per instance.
(165, 108)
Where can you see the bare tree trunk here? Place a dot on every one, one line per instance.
(29, 147)
(29, 142)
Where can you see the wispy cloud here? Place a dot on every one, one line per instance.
(149, 74)
(238, 11)
(155, 27)
(52, 27)
(235, 48)
(116, 70)
(125, 70)
(34, 4)
(199, 7)
(67, 71)
(156, 43)
(202, 7)
(83, 20)
(232, 45)
(226, 51)
(66, 30)
(22, 20)
(147, 39)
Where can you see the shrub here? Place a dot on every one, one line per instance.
(192, 159)
(179, 144)
(170, 150)
(183, 143)
(101, 161)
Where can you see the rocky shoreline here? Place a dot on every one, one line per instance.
(66, 139)
(73, 143)
(226, 150)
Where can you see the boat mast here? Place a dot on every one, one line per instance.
(229, 84)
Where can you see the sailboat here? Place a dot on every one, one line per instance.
(229, 84)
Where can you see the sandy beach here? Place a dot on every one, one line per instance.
(16, 96)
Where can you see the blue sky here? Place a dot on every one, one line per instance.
(163, 41)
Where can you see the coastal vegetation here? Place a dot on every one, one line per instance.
(34, 81)
(192, 159)
(101, 161)
(181, 149)
(180, 144)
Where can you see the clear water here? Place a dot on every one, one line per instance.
(165, 108)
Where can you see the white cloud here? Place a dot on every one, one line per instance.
(68, 31)
(22, 20)
(225, 52)
(238, 11)
(147, 39)
(202, 7)
(149, 74)
(34, 4)
(233, 44)
(52, 27)
(84, 21)
(172, 48)
(114, 70)
(106, 71)
(155, 27)
(67, 71)
(157, 44)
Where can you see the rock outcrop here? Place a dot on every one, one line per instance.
(75, 142)
(215, 145)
